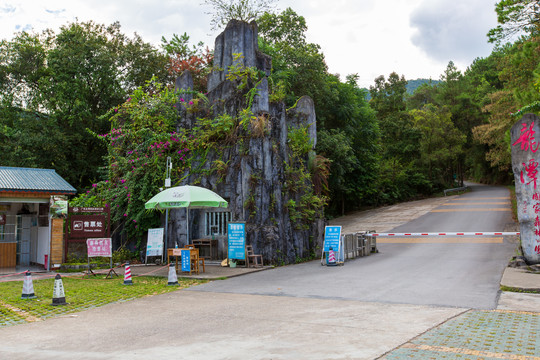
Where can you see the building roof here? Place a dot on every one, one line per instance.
(15, 179)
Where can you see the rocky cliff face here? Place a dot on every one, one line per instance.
(266, 183)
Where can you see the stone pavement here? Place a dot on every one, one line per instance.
(478, 335)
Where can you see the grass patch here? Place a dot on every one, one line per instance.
(519, 290)
(81, 294)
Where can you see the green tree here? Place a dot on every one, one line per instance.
(243, 10)
(515, 17)
(388, 96)
(343, 114)
(398, 177)
(441, 143)
(64, 83)
(495, 133)
(195, 58)
(352, 124)
(298, 67)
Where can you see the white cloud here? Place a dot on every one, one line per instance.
(453, 30)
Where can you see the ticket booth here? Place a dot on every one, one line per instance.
(25, 219)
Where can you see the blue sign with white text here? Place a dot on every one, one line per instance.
(332, 235)
(237, 240)
(186, 260)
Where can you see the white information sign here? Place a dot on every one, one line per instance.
(154, 246)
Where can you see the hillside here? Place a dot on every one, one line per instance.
(412, 85)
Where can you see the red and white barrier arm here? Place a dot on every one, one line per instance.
(446, 234)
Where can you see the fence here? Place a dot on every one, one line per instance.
(359, 244)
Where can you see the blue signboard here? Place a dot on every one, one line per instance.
(332, 234)
(237, 240)
(186, 260)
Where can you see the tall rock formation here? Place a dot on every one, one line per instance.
(525, 160)
(266, 182)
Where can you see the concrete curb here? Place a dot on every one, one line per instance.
(520, 279)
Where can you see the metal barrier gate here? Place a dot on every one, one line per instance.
(364, 243)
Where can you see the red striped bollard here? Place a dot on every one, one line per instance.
(331, 258)
(127, 275)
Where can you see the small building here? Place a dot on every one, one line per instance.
(26, 226)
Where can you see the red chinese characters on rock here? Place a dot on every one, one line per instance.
(536, 207)
(532, 172)
(526, 139)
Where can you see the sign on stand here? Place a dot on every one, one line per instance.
(236, 236)
(100, 247)
(186, 260)
(154, 246)
(332, 239)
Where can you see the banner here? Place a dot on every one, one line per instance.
(154, 246)
(236, 233)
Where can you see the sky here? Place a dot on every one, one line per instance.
(415, 38)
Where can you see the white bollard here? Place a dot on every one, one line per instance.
(173, 279)
(28, 287)
(59, 297)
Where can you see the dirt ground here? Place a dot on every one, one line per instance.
(388, 217)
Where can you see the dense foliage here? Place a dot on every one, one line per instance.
(55, 87)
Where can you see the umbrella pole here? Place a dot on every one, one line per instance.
(187, 227)
(166, 240)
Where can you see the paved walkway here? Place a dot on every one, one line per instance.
(478, 335)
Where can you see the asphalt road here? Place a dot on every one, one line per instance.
(440, 271)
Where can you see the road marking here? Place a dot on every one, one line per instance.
(480, 353)
(471, 209)
(482, 198)
(441, 240)
(476, 203)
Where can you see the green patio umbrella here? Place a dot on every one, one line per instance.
(190, 197)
